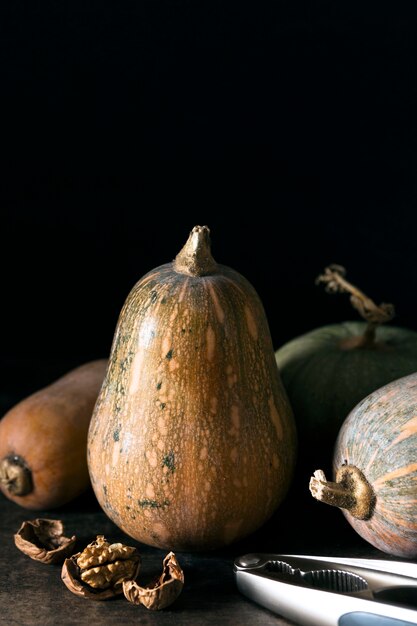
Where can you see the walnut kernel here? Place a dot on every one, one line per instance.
(100, 569)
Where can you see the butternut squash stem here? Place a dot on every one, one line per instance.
(15, 476)
(195, 258)
(351, 491)
(335, 282)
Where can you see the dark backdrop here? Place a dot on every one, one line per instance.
(125, 124)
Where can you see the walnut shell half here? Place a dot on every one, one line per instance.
(44, 540)
(97, 573)
(161, 592)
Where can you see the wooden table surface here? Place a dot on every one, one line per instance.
(33, 593)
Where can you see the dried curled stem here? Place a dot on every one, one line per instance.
(351, 491)
(335, 282)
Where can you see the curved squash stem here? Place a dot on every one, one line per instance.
(351, 491)
(335, 281)
(15, 476)
(195, 258)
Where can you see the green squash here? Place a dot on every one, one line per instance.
(327, 371)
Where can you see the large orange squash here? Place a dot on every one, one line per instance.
(192, 441)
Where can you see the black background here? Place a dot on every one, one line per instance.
(125, 124)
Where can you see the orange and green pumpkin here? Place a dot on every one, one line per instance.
(192, 442)
(375, 469)
(327, 371)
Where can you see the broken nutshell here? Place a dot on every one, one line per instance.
(99, 570)
(161, 592)
(44, 540)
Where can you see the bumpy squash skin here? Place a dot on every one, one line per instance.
(380, 438)
(325, 382)
(192, 442)
(49, 431)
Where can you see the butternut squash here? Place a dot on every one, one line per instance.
(43, 440)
